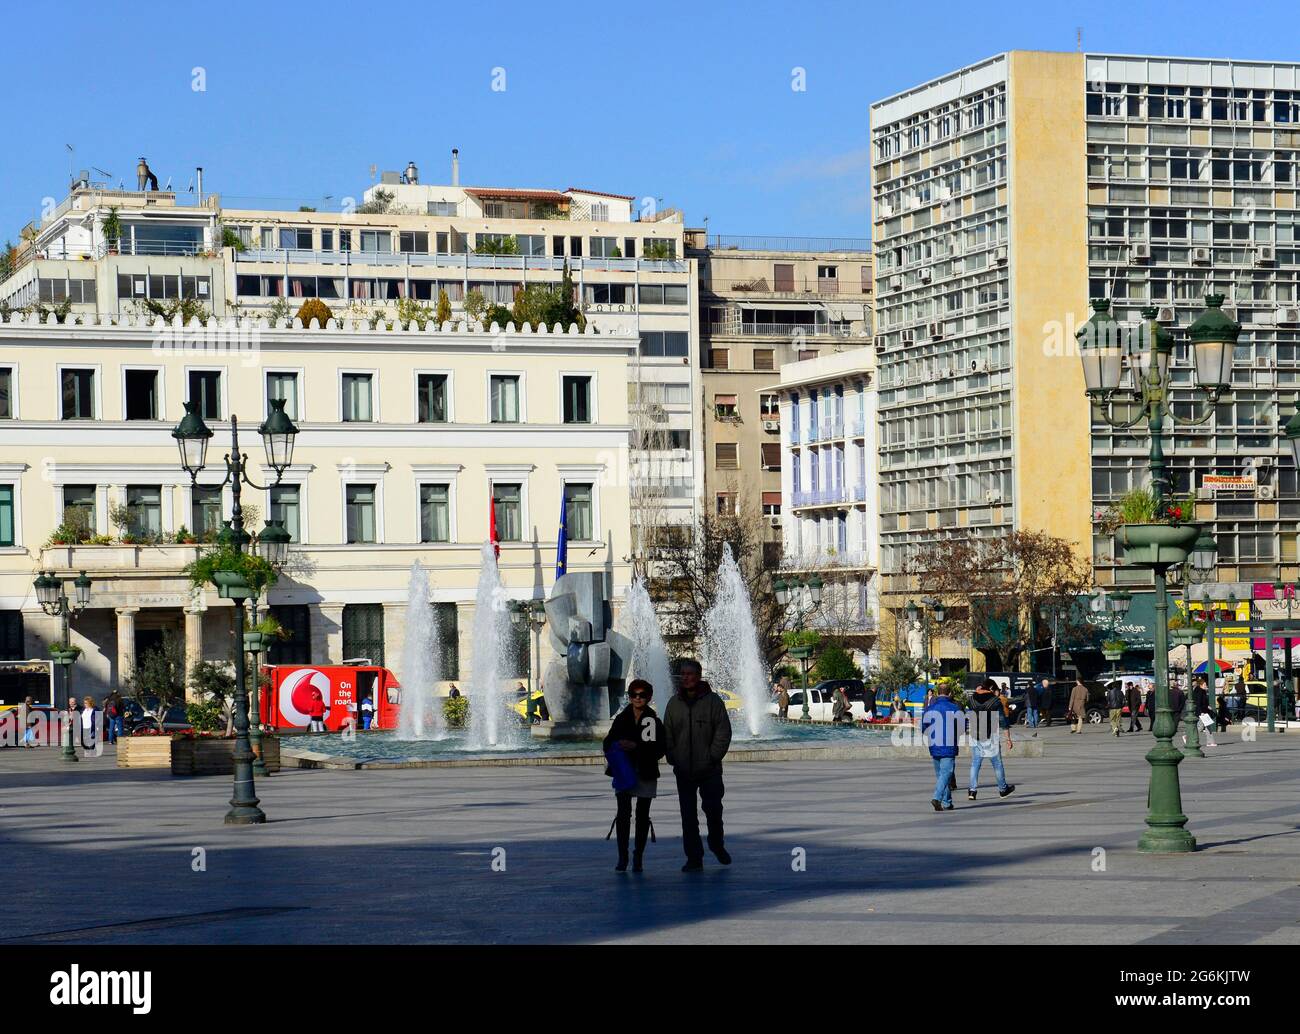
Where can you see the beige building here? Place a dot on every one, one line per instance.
(766, 302)
(407, 437)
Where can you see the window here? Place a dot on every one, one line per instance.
(724, 407)
(578, 518)
(665, 343)
(720, 358)
(356, 398)
(144, 503)
(771, 452)
(11, 635)
(345, 240)
(531, 244)
(79, 508)
(726, 456)
(295, 619)
(6, 392)
(575, 247)
(441, 208)
(413, 241)
(764, 359)
(283, 385)
(6, 515)
(205, 511)
(141, 395)
(205, 393)
(286, 505)
(435, 513)
(448, 640)
(783, 277)
(769, 407)
(577, 400)
(431, 398)
(503, 404)
(327, 240)
(605, 247)
(828, 272)
(363, 632)
(507, 504)
(78, 389)
(726, 503)
(295, 238)
(360, 505)
(376, 241)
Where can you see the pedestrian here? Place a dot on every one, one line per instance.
(869, 702)
(1223, 716)
(841, 710)
(367, 711)
(1031, 703)
(782, 702)
(1150, 706)
(316, 711)
(941, 724)
(1115, 700)
(87, 722)
(988, 715)
(114, 716)
(1134, 701)
(1079, 704)
(638, 734)
(453, 692)
(1177, 700)
(1201, 698)
(697, 734)
(1240, 694)
(1045, 704)
(27, 720)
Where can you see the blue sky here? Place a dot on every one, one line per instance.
(688, 102)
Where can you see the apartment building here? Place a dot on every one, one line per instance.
(403, 242)
(766, 302)
(407, 438)
(1008, 192)
(827, 434)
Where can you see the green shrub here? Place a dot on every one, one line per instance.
(314, 309)
(835, 662)
(205, 716)
(258, 573)
(455, 712)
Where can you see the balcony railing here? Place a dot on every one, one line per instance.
(824, 558)
(151, 249)
(727, 242)
(300, 256)
(792, 331)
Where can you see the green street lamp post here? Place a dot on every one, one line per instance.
(532, 612)
(192, 436)
(1107, 352)
(1116, 604)
(1200, 561)
(272, 545)
(53, 598)
(806, 596)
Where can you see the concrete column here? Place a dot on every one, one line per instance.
(193, 644)
(326, 621)
(125, 642)
(394, 635)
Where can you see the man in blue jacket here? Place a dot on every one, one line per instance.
(942, 724)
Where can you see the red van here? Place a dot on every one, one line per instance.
(343, 686)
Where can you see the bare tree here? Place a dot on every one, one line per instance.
(995, 587)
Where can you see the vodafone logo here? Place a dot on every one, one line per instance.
(295, 694)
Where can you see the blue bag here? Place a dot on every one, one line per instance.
(620, 767)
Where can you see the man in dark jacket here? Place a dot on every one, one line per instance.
(1150, 699)
(698, 733)
(1134, 704)
(1045, 703)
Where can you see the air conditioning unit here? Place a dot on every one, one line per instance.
(925, 275)
(1165, 314)
(1264, 255)
(885, 209)
(1286, 316)
(913, 201)
(1204, 493)
(1263, 362)
(1264, 492)
(771, 425)
(936, 330)
(993, 496)
(1201, 256)
(908, 336)
(895, 283)
(947, 210)
(1000, 255)
(774, 521)
(1139, 251)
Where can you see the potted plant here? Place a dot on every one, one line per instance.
(1113, 649)
(258, 639)
(1184, 632)
(236, 575)
(64, 653)
(1155, 532)
(112, 230)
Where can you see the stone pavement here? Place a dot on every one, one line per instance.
(407, 855)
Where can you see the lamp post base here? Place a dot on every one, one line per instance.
(1165, 820)
(245, 815)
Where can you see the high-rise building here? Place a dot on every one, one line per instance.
(1008, 192)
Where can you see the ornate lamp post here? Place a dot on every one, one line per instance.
(52, 597)
(806, 596)
(272, 545)
(278, 433)
(1200, 562)
(532, 612)
(1105, 349)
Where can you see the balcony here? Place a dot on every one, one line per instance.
(282, 257)
(789, 331)
(163, 559)
(821, 496)
(824, 559)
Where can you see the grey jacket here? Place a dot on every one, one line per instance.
(697, 733)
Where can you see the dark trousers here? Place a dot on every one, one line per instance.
(710, 790)
(1134, 722)
(623, 822)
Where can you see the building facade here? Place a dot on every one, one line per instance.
(1008, 192)
(766, 302)
(407, 439)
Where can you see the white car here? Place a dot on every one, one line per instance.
(820, 706)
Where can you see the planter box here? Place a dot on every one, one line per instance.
(1185, 637)
(1157, 545)
(215, 756)
(1113, 655)
(144, 752)
(231, 585)
(255, 642)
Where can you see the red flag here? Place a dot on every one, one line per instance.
(492, 528)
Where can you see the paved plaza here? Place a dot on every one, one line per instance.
(106, 856)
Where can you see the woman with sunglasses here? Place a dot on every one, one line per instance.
(638, 732)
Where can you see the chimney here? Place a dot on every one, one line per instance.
(455, 166)
(198, 181)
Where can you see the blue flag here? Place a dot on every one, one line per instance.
(562, 544)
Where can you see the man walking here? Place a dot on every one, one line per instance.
(942, 723)
(1045, 703)
(1115, 704)
(697, 736)
(988, 712)
(1031, 704)
(1079, 704)
(1134, 708)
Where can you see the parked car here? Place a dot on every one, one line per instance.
(153, 715)
(821, 700)
(1098, 711)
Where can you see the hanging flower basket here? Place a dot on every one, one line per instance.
(64, 654)
(1113, 655)
(1157, 545)
(255, 642)
(1185, 636)
(231, 585)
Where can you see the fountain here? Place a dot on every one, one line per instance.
(487, 704)
(421, 714)
(650, 655)
(731, 657)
